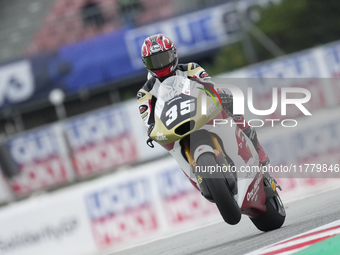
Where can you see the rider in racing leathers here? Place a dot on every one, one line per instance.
(159, 56)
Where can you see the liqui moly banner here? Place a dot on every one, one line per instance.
(316, 141)
(41, 159)
(144, 203)
(264, 84)
(88, 144)
(122, 211)
(101, 140)
(299, 70)
(181, 202)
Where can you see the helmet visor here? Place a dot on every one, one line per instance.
(159, 60)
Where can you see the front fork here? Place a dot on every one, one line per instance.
(221, 160)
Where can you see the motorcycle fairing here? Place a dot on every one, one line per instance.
(179, 104)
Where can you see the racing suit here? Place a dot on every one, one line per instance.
(147, 97)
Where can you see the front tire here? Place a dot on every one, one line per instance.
(220, 191)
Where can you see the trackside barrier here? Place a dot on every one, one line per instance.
(40, 157)
(108, 213)
(115, 136)
(111, 213)
(151, 200)
(82, 146)
(155, 199)
(303, 69)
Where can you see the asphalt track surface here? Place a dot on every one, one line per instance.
(220, 238)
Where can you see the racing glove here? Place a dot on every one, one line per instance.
(149, 141)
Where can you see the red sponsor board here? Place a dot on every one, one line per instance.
(181, 201)
(187, 207)
(101, 140)
(40, 160)
(122, 212)
(38, 175)
(117, 229)
(104, 155)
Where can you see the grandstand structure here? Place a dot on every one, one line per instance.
(34, 26)
(89, 50)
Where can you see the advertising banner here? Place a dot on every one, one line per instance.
(122, 211)
(55, 224)
(16, 83)
(116, 56)
(101, 140)
(310, 153)
(143, 203)
(85, 145)
(316, 138)
(181, 202)
(192, 33)
(301, 70)
(41, 159)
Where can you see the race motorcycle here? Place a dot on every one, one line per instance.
(190, 124)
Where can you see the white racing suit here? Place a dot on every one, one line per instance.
(148, 94)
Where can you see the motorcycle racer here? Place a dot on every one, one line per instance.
(159, 55)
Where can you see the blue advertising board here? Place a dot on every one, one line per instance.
(116, 56)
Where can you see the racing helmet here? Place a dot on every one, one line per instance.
(159, 55)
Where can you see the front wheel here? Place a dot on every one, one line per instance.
(274, 216)
(219, 191)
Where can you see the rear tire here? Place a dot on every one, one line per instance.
(220, 191)
(274, 217)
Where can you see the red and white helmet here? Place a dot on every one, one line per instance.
(159, 55)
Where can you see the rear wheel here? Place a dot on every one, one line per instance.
(274, 216)
(220, 191)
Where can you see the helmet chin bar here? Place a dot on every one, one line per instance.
(163, 73)
(166, 72)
